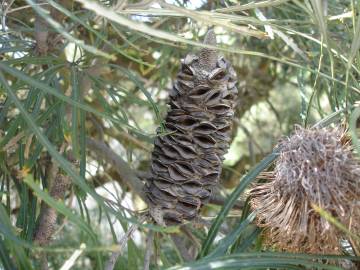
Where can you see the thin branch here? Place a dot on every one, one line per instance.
(13, 141)
(180, 245)
(4, 12)
(24, 7)
(122, 168)
(149, 250)
(122, 242)
(219, 200)
(41, 32)
(190, 235)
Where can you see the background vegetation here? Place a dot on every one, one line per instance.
(83, 86)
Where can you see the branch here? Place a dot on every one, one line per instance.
(220, 200)
(41, 32)
(122, 242)
(122, 168)
(180, 245)
(149, 250)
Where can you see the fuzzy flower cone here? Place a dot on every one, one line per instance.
(315, 167)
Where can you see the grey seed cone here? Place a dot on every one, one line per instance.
(186, 163)
(315, 167)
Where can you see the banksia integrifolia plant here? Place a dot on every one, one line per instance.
(316, 167)
(186, 162)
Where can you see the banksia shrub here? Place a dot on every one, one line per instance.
(315, 167)
(186, 162)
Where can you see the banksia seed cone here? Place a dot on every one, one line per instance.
(315, 167)
(186, 162)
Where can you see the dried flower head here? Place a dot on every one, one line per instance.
(315, 166)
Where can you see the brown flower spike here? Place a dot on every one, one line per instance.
(186, 162)
(315, 166)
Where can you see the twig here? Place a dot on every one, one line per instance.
(127, 138)
(190, 235)
(5, 11)
(41, 32)
(118, 6)
(179, 243)
(97, 125)
(149, 249)
(122, 242)
(219, 200)
(203, 222)
(24, 7)
(14, 141)
(141, 5)
(98, 67)
(43, 262)
(121, 166)
(27, 146)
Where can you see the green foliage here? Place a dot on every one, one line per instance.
(72, 73)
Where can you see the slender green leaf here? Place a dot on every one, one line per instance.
(355, 45)
(99, 35)
(258, 261)
(75, 112)
(5, 257)
(247, 240)
(56, 93)
(12, 241)
(58, 205)
(68, 167)
(231, 238)
(355, 115)
(244, 182)
(326, 215)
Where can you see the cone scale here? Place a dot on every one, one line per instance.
(186, 162)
